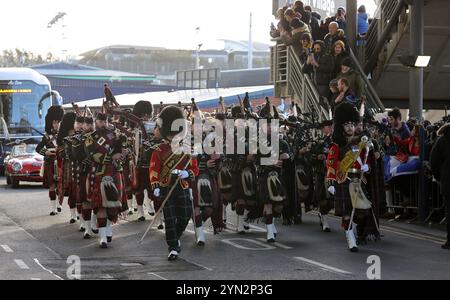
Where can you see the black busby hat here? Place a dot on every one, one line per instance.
(142, 108)
(67, 124)
(54, 113)
(344, 113)
(166, 119)
(89, 120)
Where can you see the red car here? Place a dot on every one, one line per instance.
(23, 164)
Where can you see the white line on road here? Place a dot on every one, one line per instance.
(35, 279)
(156, 275)
(51, 272)
(322, 266)
(21, 264)
(279, 245)
(7, 249)
(197, 264)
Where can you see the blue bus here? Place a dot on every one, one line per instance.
(25, 96)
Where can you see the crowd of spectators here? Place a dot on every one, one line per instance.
(322, 47)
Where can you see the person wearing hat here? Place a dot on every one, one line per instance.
(345, 159)
(47, 148)
(105, 188)
(168, 167)
(354, 79)
(323, 197)
(144, 111)
(440, 166)
(298, 30)
(272, 191)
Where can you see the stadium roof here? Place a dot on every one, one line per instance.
(205, 98)
(75, 71)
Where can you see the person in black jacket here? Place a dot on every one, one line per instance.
(321, 65)
(440, 166)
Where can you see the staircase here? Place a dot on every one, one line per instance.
(389, 37)
(290, 81)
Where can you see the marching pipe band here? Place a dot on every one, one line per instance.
(103, 166)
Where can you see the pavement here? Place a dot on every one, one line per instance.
(35, 246)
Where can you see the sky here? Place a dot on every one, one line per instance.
(91, 24)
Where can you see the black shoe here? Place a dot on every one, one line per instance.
(328, 230)
(135, 210)
(104, 246)
(152, 214)
(109, 239)
(201, 244)
(354, 249)
(59, 209)
(87, 236)
(160, 227)
(271, 241)
(73, 221)
(141, 219)
(446, 246)
(247, 228)
(78, 218)
(52, 214)
(82, 229)
(95, 231)
(130, 213)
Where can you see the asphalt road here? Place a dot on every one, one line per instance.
(35, 246)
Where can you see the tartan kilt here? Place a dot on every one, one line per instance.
(342, 201)
(49, 173)
(239, 191)
(211, 197)
(265, 191)
(95, 190)
(82, 189)
(127, 177)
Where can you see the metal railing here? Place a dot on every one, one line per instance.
(380, 31)
(287, 71)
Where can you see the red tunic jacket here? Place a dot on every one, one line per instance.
(164, 161)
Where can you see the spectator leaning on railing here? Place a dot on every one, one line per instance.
(299, 8)
(440, 165)
(320, 64)
(298, 30)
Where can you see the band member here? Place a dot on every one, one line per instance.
(206, 193)
(47, 148)
(65, 186)
(143, 110)
(106, 189)
(347, 160)
(83, 167)
(323, 197)
(272, 192)
(172, 171)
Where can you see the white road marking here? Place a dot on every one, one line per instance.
(106, 276)
(43, 268)
(262, 246)
(197, 264)
(323, 266)
(279, 245)
(35, 279)
(156, 275)
(7, 249)
(131, 265)
(21, 264)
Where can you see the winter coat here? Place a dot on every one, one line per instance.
(440, 162)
